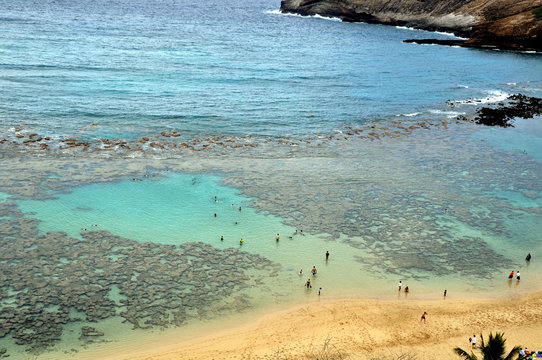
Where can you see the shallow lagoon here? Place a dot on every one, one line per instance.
(378, 207)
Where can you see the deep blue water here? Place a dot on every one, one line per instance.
(226, 67)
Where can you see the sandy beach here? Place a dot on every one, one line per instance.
(365, 329)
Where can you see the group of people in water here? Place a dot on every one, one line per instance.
(518, 275)
(308, 283)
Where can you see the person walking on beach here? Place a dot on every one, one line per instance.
(474, 341)
(400, 285)
(319, 290)
(517, 275)
(423, 317)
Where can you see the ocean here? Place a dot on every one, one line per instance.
(141, 141)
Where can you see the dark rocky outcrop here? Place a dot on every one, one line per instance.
(517, 106)
(503, 24)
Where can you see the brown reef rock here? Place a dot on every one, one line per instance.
(503, 24)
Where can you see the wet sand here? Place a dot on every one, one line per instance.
(360, 328)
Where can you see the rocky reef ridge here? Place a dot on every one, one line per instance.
(502, 24)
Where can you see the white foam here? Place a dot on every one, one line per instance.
(449, 114)
(450, 34)
(407, 28)
(435, 32)
(494, 96)
(409, 115)
(317, 16)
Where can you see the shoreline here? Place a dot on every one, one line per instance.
(359, 328)
(484, 26)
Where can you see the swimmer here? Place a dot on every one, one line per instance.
(241, 242)
(222, 238)
(300, 271)
(215, 214)
(277, 237)
(239, 208)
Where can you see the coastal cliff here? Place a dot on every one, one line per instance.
(504, 24)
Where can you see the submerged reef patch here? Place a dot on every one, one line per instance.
(49, 281)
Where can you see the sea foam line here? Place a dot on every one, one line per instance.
(409, 114)
(494, 96)
(435, 32)
(317, 16)
(449, 114)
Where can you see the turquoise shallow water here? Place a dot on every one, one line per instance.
(368, 208)
(131, 69)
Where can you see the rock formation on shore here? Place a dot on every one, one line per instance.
(504, 24)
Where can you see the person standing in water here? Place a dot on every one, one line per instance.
(511, 276)
(400, 285)
(517, 276)
(277, 237)
(327, 255)
(528, 258)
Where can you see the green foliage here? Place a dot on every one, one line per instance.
(538, 13)
(493, 350)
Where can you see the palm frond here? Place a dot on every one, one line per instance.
(465, 354)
